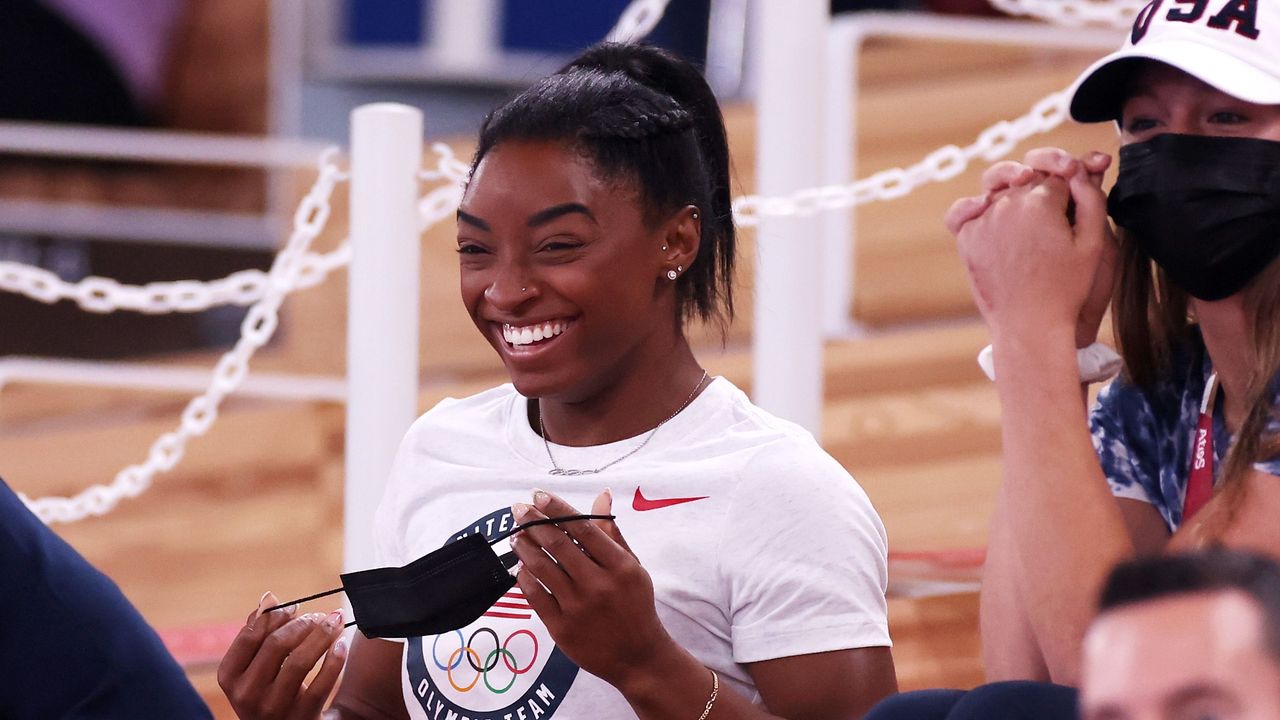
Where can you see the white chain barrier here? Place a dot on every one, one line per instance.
(441, 203)
(259, 324)
(1117, 14)
(243, 288)
(104, 295)
(940, 165)
(637, 21)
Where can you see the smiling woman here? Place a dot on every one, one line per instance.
(751, 582)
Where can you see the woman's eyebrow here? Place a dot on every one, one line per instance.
(543, 217)
(473, 220)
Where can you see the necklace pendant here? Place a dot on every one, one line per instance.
(571, 472)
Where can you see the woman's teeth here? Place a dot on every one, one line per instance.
(530, 334)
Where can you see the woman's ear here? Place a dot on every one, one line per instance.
(682, 236)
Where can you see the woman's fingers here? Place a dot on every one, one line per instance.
(275, 648)
(1006, 174)
(1052, 161)
(599, 538)
(246, 643)
(546, 551)
(301, 659)
(1096, 164)
(603, 505)
(542, 602)
(964, 210)
(313, 698)
(1091, 208)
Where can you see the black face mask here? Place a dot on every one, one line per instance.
(1206, 209)
(441, 591)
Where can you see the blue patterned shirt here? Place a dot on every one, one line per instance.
(1144, 441)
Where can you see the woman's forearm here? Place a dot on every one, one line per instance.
(676, 685)
(1065, 524)
(1009, 647)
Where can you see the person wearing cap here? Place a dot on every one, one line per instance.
(1180, 450)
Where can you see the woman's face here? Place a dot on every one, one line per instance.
(559, 271)
(1167, 100)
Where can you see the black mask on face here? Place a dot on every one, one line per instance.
(441, 591)
(1206, 209)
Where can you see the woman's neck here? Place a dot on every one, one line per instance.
(640, 394)
(1228, 337)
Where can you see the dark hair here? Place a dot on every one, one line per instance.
(1215, 570)
(643, 116)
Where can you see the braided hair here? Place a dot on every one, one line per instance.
(643, 116)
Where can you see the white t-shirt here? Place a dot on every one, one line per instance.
(775, 551)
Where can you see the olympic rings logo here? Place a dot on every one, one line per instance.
(501, 653)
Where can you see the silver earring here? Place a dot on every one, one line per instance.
(695, 214)
(524, 289)
(679, 268)
(672, 275)
(664, 248)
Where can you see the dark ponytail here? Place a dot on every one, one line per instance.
(644, 115)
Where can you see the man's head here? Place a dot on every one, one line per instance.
(1188, 637)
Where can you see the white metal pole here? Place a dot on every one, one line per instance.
(841, 142)
(791, 55)
(382, 319)
(466, 34)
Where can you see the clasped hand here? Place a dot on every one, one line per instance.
(1030, 267)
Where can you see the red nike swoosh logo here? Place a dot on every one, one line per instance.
(641, 503)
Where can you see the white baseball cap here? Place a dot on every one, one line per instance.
(1233, 45)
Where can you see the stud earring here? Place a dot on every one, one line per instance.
(524, 289)
(672, 275)
(695, 214)
(664, 248)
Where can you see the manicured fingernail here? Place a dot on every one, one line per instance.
(289, 610)
(267, 600)
(340, 648)
(541, 498)
(1099, 156)
(519, 510)
(333, 619)
(515, 569)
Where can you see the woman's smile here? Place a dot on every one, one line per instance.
(533, 334)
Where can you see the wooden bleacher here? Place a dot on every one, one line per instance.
(257, 503)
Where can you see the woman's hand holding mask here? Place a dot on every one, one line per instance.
(264, 670)
(1037, 243)
(590, 590)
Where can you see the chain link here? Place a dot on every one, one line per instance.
(286, 275)
(104, 295)
(637, 21)
(1118, 14)
(942, 164)
(441, 202)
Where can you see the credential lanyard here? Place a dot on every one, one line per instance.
(1200, 478)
